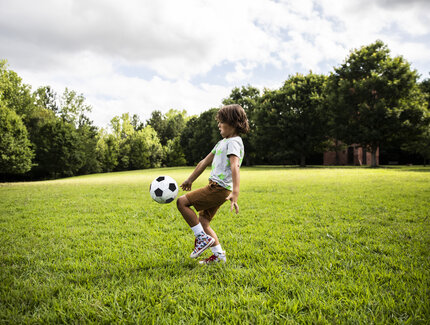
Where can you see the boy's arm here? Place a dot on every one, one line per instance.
(235, 173)
(200, 168)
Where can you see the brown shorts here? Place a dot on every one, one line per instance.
(208, 199)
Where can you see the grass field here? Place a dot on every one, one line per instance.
(314, 245)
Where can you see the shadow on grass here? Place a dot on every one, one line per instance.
(305, 167)
(399, 168)
(420, 169)
(166, 267)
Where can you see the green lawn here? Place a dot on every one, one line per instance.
(313, 245)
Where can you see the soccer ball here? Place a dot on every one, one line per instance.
(163, 189)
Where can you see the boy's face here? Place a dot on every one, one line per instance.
(226, 130)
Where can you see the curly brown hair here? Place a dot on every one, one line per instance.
(235, 116)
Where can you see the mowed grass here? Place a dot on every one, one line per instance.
(313, 245)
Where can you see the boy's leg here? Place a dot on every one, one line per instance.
(189, 215)
(203, 240)
(205, 219)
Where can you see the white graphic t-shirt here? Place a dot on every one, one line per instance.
(221, 169)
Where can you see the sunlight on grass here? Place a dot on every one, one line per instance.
(314, 245)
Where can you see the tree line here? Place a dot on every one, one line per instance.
(372, 99)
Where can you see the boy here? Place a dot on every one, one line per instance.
(226, 158)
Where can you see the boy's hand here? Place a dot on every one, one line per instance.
(233, 198)
(186, 185)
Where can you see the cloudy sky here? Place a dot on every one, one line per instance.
(140, 55)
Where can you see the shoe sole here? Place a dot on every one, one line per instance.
(194, 255)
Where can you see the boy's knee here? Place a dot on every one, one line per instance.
(205, 222)
(179, 202)
(182, 201)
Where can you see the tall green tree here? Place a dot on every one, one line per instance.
(127, 148)
(157, 122)
(291, 123)
(174, 154)
(146, 150)
(15, 94)
(200, 136)
(46, 97)
(77, 135)
(57, 150)
(107, 151)
(374, 100)
(123, 130)
(425, 89)
(168, 126)
(420, 144)
(15, 147)
(87, 137)
(137, 124)
(73, 106)
(175, 124)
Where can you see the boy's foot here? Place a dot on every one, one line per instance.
(201, 243)
(215, 258)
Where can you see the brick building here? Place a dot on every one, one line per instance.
(352, 155)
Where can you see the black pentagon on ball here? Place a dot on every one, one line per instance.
(158, 192)
(160, 179)
(172, 187)
(169, 200)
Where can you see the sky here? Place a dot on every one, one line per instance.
(138, 56)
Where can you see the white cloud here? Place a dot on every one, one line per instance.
(80, 44)
(112, 94)
(241, 72)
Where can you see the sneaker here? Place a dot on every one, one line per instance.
(215, 258)
(201, 243)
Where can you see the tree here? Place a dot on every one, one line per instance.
(175, 123)
(374, 99)
(200, 136)
(145, 149)
(123, 130)
(46, 98)
(291, 122)
(79, 135)
(107, 151)
(174, 155)
(248, 97)
(156, 121)
(139, 150)
(425, 88)
(168, 126)
(15, 147)
(72, 106)
(70, 151)
(87, 137)
(57, 150)
(137, 124)
(421, 143)
(127, 148)
(36, 120)
(14, 94)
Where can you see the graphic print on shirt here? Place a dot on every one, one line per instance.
(221, 167)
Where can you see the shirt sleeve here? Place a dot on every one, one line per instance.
(233, 148)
